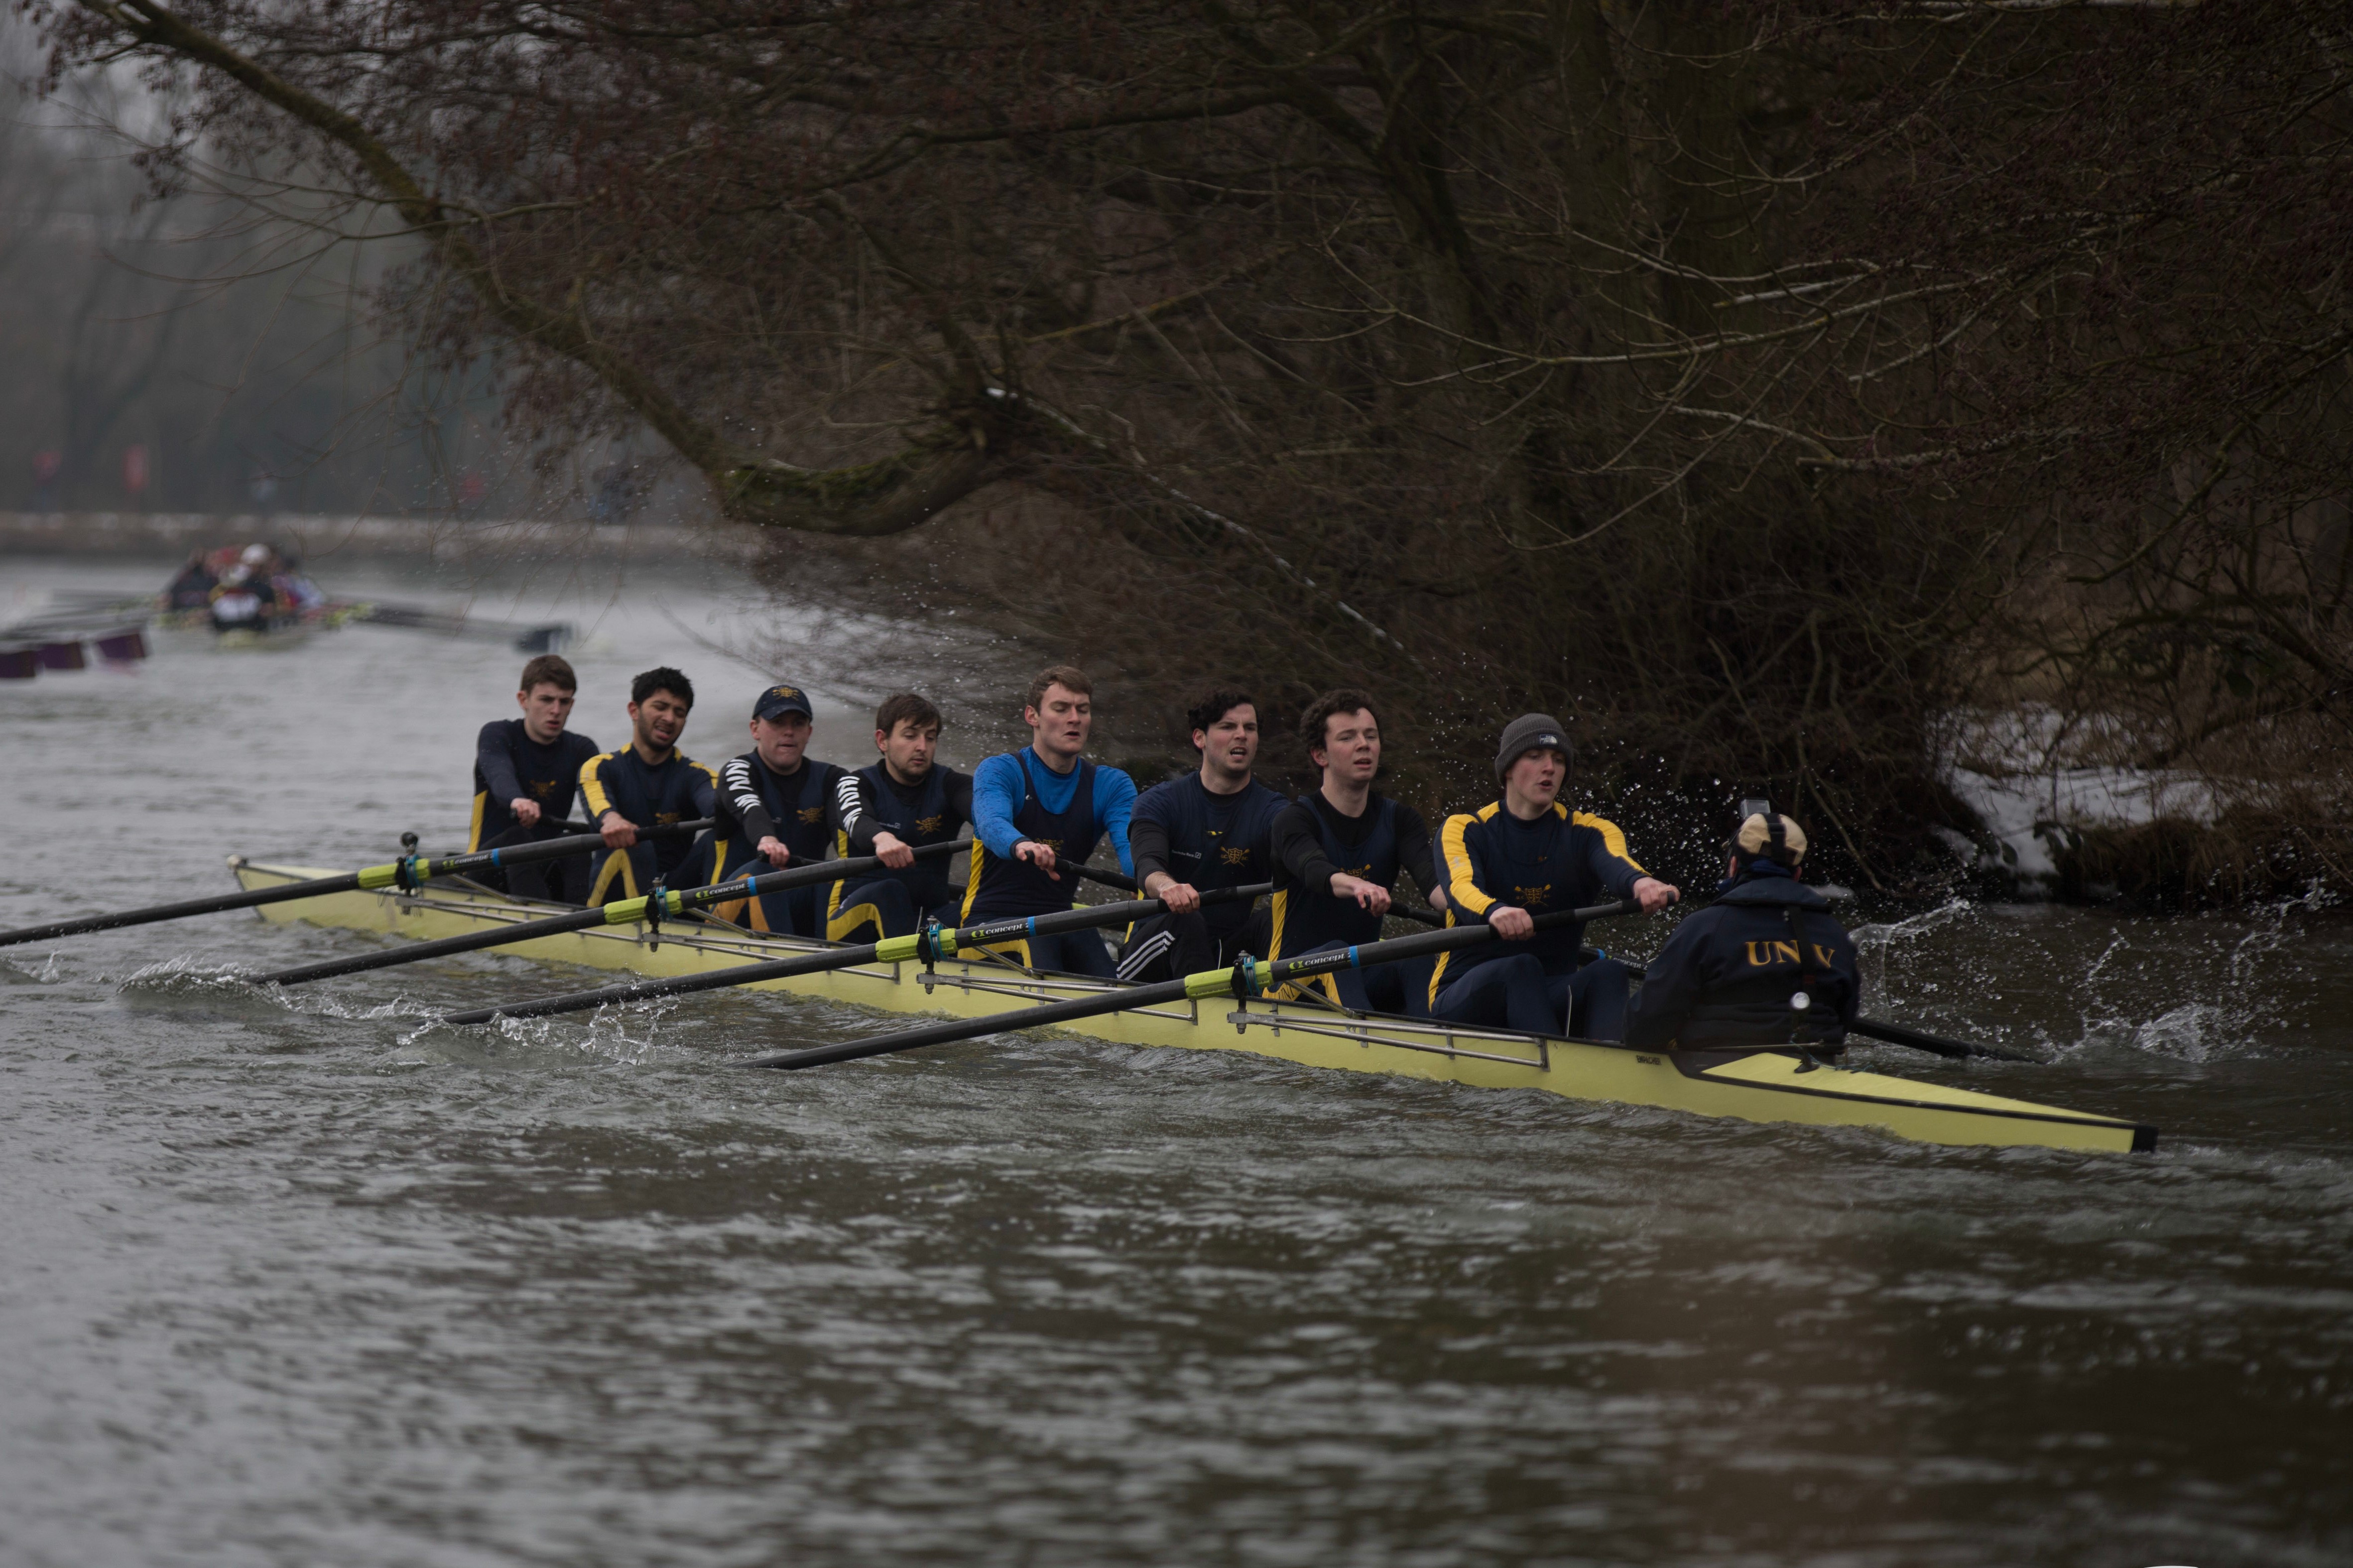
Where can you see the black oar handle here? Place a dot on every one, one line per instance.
(406, 872)
(943, 941)
(1897, 1034)
(628, 911)
(1247, 979)
(1121, 879)
(1282, 971)
(946, 941)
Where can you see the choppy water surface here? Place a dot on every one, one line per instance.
(279, 1284)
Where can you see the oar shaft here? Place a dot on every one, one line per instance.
(956, 1029)
(629, 911)
(417, 952)
(1897, 1034)
(943, 941)
(249, 898)
(1240, 980)
(417, 867)
(1282, 971)
(1119, 880)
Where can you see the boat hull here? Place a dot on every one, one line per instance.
(1763, 1086)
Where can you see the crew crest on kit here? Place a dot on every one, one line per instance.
(1765, 963)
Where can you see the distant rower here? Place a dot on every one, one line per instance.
(1765, 963)
(1212, 828)
(1337, 852)
(1522, 855)
(647, 784)
(1041, 808)
(910, 800)
(525, 771)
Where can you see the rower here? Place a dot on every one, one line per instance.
(1766, 965)
(1337, 852)
(1212, 828)
(908, 801)
(525, 772)
(1522, 855)
(649, 782)
(778, 807)
(1039, 809)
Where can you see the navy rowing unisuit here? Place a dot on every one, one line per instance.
(509, 765)
(650, 795)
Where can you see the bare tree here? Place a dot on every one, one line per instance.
(1747, 380)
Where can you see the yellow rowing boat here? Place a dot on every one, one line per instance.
(1756, 1085)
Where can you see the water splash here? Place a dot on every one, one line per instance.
(50, 973)
(625, 1036)
(188, 975)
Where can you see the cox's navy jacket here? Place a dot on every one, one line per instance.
(1726, 976)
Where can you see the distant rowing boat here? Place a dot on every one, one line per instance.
(114, 628)
(1765, 1086)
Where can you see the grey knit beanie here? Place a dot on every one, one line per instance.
(1525, 734)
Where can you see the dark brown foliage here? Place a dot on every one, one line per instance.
(1751, 385)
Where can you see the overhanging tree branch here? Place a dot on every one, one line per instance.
(866, 499)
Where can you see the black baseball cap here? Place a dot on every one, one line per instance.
(779, 700)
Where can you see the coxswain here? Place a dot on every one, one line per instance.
(1036, 812)
(908, 801)
(1520, 856)
(526, 770)
(1212, 828)
(1337, 853)
(778, 807)
(1766, 965)
(649, 782)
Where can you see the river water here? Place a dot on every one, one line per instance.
(279, 1284)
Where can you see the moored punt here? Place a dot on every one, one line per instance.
(1762, 1086)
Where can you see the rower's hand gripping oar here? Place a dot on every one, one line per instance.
(1245, 980)
(408, 873)
(1413, 912)
(930, 945)
(654, 908)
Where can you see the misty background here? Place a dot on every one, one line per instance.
(192, 353)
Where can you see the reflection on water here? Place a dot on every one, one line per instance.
(299, 1279)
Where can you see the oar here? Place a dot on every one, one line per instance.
(626, 911)
(1241, 982)
(939, 942)
(1116, 879)
(409, 872)
(1897, 1034)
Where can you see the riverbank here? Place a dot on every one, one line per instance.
(319, 538)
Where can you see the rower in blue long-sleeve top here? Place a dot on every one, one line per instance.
(1039, 809)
